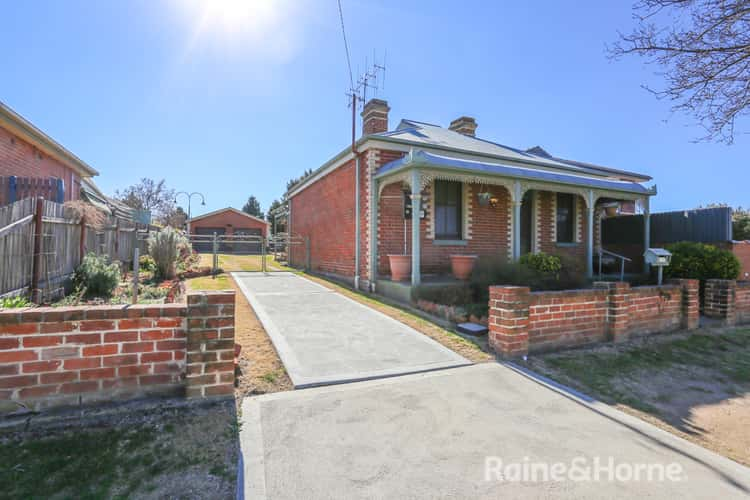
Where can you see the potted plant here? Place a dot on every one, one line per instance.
(400, 267)
(484, 199)
(610, 209)
(462, 266)
(401, 263)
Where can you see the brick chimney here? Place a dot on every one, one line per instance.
(464, 125)
(375, 117)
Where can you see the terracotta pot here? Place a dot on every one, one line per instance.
(400, 267)
(462, 265)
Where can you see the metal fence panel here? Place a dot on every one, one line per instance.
(708, 225)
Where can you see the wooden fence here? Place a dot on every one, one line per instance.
(41, 246)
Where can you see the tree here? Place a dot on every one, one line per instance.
(703, 47)
(177, 218)
(149, 195)
(741, 224)
(252, 207)
(291, 182)
(740, 221)
(274, 205)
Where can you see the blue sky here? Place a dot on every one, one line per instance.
(235, 103)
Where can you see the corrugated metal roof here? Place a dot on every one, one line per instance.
(427, 134)
(418, 158)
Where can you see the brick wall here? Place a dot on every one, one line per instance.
(521, 322)
(18, 157)
(324, 212)
(727, 301)
(65, 355)
(567, 318)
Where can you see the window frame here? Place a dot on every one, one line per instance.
(440, 205)
(571, 222)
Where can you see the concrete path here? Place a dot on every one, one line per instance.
(324, 337)
(429, 436)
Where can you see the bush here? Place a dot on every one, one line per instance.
(96, 277)
(14, 302)
(538, 272)
(701, 261)
(147, 264)
(450, 295)
(164, 247)
(544, 264)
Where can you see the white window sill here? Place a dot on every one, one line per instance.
(448, 243)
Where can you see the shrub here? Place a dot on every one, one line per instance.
(546, 272)
(96, 277)
(164, 247)
(14, 302)
(147, 264)
(701, 261)
(450, 295)
(548, 265)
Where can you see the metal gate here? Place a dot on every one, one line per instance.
(285, 250)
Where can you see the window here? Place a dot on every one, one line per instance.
(447, 210)
(566, 216)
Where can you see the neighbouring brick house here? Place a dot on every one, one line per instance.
(227, 222)
(33, 164)
(431, 192)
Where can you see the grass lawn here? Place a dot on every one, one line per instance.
(231, 262)
(694, 385)
(185, 452)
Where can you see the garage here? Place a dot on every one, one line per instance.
(228, 222)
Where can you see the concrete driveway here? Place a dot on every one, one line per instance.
(429, 436)
(323, 337)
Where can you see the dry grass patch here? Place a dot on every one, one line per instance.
(695, 385)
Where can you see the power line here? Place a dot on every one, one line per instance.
(346, 46)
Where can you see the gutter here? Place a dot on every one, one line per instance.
(315, 175)
(18, 125)
(414, 159)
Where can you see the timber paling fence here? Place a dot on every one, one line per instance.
(42, 243)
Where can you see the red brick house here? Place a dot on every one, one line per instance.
(431, 192)
(227, 222)
(33, 164)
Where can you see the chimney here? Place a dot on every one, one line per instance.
(464, 125)
(375, 117)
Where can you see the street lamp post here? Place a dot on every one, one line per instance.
(190, 197)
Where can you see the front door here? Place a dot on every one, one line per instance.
(527, 211)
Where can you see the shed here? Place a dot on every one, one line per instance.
(227, 222)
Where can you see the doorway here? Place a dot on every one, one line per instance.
(527, 222)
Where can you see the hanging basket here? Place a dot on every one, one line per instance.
(611, 209)
(484, 199)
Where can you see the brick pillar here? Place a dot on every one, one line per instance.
(509, 320)
(690, 318)
(618, 309)
(210, 344)
(719, 300)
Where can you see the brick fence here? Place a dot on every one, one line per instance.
(521, 321)
(727, 301)
(59, 356)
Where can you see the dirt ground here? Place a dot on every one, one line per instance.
(694, 385)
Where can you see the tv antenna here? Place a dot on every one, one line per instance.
(372, 80)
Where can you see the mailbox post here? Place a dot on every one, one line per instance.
(658, 257)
